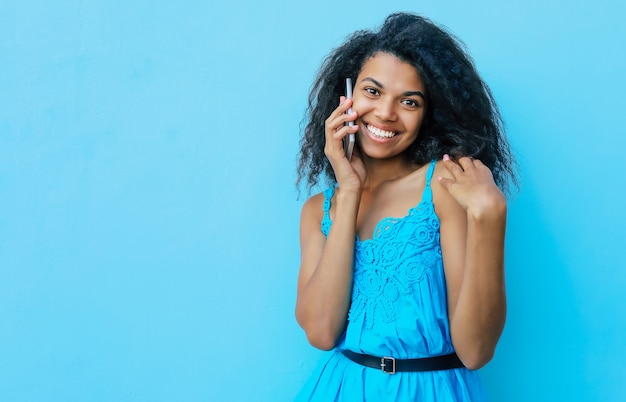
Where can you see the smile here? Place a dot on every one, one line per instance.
(377, 132)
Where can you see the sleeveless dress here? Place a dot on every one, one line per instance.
(399, 309)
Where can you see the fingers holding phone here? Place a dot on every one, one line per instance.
(340, 124)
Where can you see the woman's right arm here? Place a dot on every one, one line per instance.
(325, 279)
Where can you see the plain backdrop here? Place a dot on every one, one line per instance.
(149, 218)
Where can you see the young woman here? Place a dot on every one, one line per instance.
(402, 257)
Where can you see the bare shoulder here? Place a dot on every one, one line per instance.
(312, 215)
(445, 205)
(312, 239)
(313, 208)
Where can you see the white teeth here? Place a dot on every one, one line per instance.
(380, 133)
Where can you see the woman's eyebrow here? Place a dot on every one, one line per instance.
(415, 93)
(374, 81)
(381, 86)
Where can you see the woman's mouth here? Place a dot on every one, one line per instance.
(380, 133)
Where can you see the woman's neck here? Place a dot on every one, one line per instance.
(380, 171)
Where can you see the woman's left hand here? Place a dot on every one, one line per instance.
(472, 186)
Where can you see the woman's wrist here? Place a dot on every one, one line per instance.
(488, 209)
(348, 196)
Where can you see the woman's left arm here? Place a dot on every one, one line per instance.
(472, 211)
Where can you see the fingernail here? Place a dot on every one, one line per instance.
(446, 157)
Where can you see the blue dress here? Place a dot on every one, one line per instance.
(399, 309)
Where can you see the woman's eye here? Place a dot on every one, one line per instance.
(372, 91)
(410, 102)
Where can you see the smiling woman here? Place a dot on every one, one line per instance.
(402, 274)
(390, 104)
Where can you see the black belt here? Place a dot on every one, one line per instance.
(390, 365)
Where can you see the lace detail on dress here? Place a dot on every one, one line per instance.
(393, 262)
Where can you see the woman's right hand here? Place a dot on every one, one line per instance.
(326, 268)
(350, 174)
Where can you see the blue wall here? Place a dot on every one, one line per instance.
(149, 222)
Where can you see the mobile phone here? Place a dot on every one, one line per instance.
(348, 140)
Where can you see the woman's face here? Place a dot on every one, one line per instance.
(390, 99)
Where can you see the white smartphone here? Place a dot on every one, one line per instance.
(348, 140)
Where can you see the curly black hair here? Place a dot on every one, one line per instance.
(462, 118)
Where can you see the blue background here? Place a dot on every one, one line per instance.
(149, 220)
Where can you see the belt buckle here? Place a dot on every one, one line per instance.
(385, 362)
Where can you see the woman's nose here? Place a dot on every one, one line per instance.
(385, 110)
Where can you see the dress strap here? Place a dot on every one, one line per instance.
(428, 193)
(326, 222)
